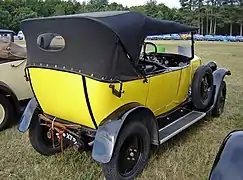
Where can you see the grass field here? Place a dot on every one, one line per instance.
(188, 156)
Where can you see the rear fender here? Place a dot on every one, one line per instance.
(229, 160)
(107, 133)
(6, 90)
(26, 117)
(218, 77)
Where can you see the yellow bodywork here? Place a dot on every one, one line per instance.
(61, 94)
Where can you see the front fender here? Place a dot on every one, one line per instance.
(27, 115)
(229, 160)
(212, 65)
(218, 77)
(106, 136)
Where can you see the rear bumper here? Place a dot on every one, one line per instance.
(30, 110)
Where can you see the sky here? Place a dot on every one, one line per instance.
(169, 3)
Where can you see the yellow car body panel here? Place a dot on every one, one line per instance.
(103, 102)
(163, 91)
(61, 94)
(185, 80)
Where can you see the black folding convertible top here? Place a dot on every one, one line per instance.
(101, 44)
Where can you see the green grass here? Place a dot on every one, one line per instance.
(188, 156)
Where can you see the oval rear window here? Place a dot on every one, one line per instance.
(51, 42)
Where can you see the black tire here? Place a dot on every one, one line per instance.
(38, 138)
(114, 169)
(220, 102)
(202, 87)
(6, 112)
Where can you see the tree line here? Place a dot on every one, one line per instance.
(211, 16)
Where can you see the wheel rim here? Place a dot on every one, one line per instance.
(130, 155)
(2, 114)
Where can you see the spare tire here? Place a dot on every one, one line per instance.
(202, 87)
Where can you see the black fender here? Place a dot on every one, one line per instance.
(212, 65)
(218, 77)
(108, 131)
(229, 159)
(6, 90)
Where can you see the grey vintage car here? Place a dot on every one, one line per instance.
(14, 89)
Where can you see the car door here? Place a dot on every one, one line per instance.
(12, 74)
(163, 89)
(184, 84)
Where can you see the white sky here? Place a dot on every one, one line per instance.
(169, 3)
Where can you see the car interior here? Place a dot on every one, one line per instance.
(154, 62)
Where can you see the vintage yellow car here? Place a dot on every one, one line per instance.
(95, 91)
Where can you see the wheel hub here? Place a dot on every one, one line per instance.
(2, 113)
(130, 155)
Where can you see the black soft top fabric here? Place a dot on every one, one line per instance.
(97, 43)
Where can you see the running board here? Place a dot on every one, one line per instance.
(179, 125)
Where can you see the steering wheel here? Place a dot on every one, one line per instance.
(144, 49)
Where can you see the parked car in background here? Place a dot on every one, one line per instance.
(20, 35)
(185, 36)
(166, 37)
(228, 162)
(7, 34)
(230, 38)
(175, 37)
(158, 37)
(198, 37)
(239, 38)
(14, 89)
(208, 37)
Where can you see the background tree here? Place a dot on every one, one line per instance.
(5, 18)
